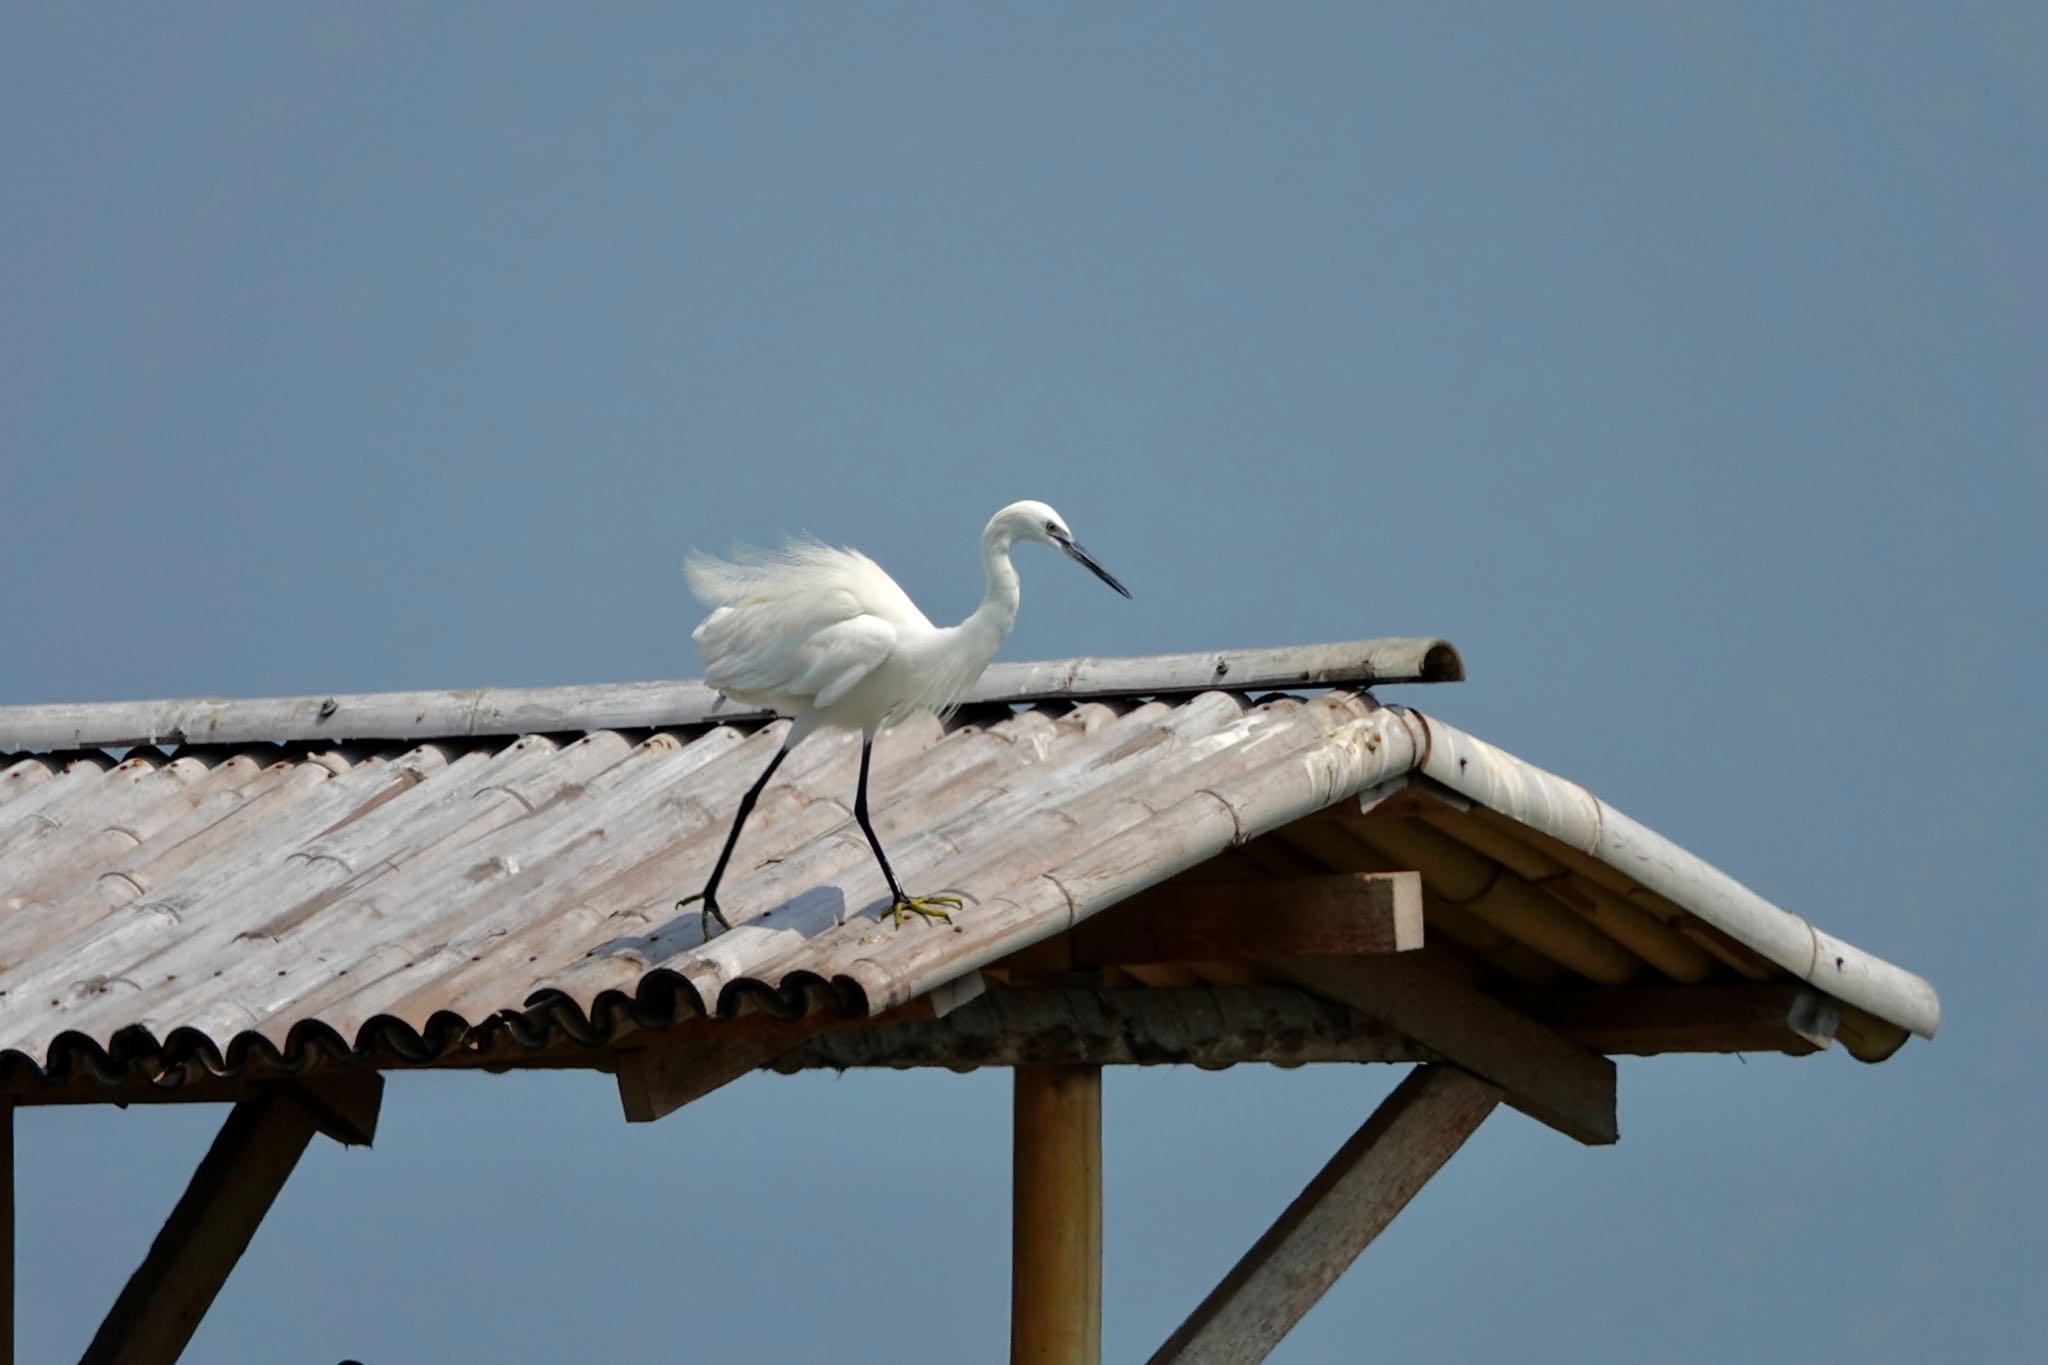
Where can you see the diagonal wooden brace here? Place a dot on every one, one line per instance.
(1372, 1177)
(214, 1220)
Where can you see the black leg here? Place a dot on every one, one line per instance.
(860, 813)
(917, 905)
(709, 895)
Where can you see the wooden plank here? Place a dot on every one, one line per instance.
(1545, 1074)
(1199, 1025)
(207, 1232)
(1643, 1021)
(1342, 915)
(659, 705)
(1370, 1180)
(1056, 1217)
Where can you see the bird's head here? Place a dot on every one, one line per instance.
(1029, 520)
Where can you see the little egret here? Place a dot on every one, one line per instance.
(827, 638)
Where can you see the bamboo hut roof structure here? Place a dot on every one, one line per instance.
(1180, 859)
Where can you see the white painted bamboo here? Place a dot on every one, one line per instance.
(23, 817)
(1221, 814)
(1020, 816)
(811, 892)
(1576, 818)
(200, 832)
(1635, 928)
(1483, 888)
(85, 984)
(136, 802)
(637, 894)
(116, 975)
(659, 705)
(1587, 870)
(506, 932)
(412, 917)
(982, 851)
(1337, 841)
(81, 937)
(320, 906)
(21, 777)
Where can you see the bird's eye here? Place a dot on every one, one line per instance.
(1052, 528)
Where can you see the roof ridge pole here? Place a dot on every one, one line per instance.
(1056, 1216)
(1372, 1177)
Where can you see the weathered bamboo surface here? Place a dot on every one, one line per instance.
(251, 912)
(686, 702)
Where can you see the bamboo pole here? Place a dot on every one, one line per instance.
(1056, 1217)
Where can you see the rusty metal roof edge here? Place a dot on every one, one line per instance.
(1572, 815)
(682, 702)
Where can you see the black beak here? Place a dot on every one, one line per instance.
(1087, 561)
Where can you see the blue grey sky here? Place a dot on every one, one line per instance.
(1687, 365)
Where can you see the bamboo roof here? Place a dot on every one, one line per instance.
(435, 889)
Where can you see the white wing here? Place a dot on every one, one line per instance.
(800, 626)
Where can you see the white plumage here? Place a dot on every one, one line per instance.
(827, 638)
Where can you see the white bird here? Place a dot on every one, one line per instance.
(826, 637)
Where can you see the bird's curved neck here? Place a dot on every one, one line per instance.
(998, 609)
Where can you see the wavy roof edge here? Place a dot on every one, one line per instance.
(56, 726)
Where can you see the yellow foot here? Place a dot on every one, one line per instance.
(709, 913)
(925, 906)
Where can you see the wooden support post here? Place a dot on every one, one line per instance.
(1056, 1217)
(236, 1182)
(1370, 1179)
(6, 1232)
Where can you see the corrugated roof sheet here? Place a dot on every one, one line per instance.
(220, 910)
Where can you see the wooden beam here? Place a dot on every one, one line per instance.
(694, 1058)
(656, 1081)
(1545, 1074)
(1056, 1217)
(1342, 915)
(207, 1232)
(1642, 1021)
(1205, 1026)
(1370, 1179)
